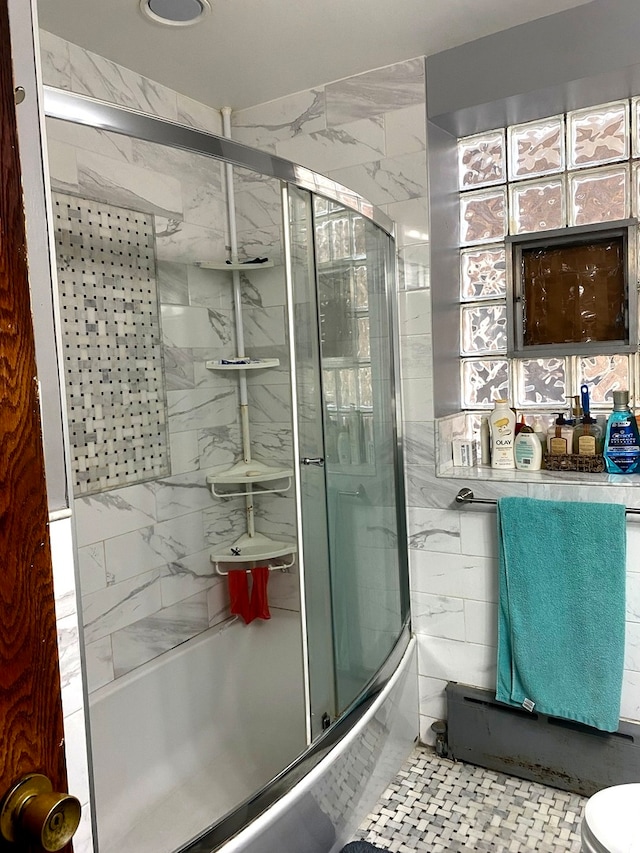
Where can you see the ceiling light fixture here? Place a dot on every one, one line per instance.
(175, 13)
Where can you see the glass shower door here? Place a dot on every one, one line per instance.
(347, 418)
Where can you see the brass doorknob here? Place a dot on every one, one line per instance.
(33, 811)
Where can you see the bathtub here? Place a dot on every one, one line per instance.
(168, 761)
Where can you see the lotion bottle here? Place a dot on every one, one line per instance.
(528, 450)
(503, 428)
(560, 437)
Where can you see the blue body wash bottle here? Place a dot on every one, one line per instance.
(622, 441)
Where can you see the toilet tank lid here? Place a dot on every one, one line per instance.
(613, 818)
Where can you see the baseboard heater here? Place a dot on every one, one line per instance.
(533, 746)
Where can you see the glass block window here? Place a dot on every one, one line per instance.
(559, 172)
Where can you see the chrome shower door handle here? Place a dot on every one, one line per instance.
(312, 460)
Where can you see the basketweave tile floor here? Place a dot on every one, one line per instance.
(438, 805)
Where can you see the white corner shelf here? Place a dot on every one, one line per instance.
(211, 265)
(249, 548)
(253, 364)
(249, 472)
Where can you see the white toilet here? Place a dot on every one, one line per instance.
(611, 821)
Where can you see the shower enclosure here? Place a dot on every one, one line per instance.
(231, 375)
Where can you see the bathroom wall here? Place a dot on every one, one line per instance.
(369, 131)
(147, 582)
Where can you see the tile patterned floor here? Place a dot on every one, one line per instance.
(438, 805)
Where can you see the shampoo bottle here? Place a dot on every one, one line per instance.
(622, 441)
(503, 428)
(528, 450)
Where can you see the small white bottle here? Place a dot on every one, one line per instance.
(503, 429)
(527, 450)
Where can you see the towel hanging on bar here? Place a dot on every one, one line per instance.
(466, 496)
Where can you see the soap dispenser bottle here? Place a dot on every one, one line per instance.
(559, 437)
(622, 441)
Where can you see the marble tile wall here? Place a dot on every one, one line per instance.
(147, 582)
(368, 131)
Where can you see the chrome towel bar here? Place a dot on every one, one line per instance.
(466, 496)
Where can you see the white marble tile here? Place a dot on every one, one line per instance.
(203, 203)
(184, 578)
(417, 399)
(119, 605)
(196, 114)
(91, 564)
(198, 408)
(411, 218)
(275, 515)
(284, 591)
(184, 453)
(264, 288)
(219, 446)
(419, 444)
(386, 180)
(455, 575)
(432, 530)
(433, 701)
(182, 494)
(632, 647)
(128, 185)
(186, 243)
(416, 361)
(224, 522)
(438, 615)
(374, 92)
(337, 148)
(83, 839)
(76, 757)
(63, 166)
(98, 661)
(94, 75)
(70, 666)
(210, 288)
(267, 124)
(112, 513)
(54, 58)
(405, 130)
(149, 637)
(481, 622)
(271, 442)
(114, 146)
(270, 403)
(195, 326)
(630, 700)
(479, 534)
(184, 166)
(414, 267)
(415, 312)
(258, 204)
(63, 562)
(172, 280)
(264, 326)
(178, 368)
(427, 736)
(153, 547)
(218, 602)
(451, 660)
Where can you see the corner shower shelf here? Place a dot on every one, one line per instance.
(258, 547)
(254, 364)
(249, 473)
(206, 265)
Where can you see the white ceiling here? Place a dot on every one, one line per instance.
(247, 52)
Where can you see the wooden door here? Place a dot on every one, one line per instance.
(31, 733)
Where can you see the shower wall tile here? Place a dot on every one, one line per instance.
(284, 590)
(219, 446)
(265, 125)
(94, 75)
(262, 243)
(184, 452)
(153, 547)
(438, 615)
(633, 596)
(272, 441)
(411, 218)
(155, 634)
(265, 327)
(454, 660)
(117, 606)
(417, 401)
(419, 444)
(200, 407)
(63, 167)
(218, 603)
(69, 662)
(415, 313)
(127, 185)
(432, 530)
(416, 358)
(454, 574)
(112, 145)
(184, 578)
(198, 115)
(178, 368)
(630, 699)
(113, 513)
(270, 403)
(186, 243)
(180, 495)
(481, 622)
(374, 92)
(173, 283)
(405, 130)
(91, 565)
(203, 204)
(186, 326)
(414, 267)
(632, 646)
(386, 180)
(224, 521)
(54, 59)
(337, 147)
(258, 203)
(210, 288)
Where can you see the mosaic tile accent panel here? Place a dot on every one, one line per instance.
(481, 160)
(112, 344)
(598, 135)
(447, 806)
(536, 148)
(483, 273)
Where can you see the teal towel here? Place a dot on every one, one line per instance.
(561, 614)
